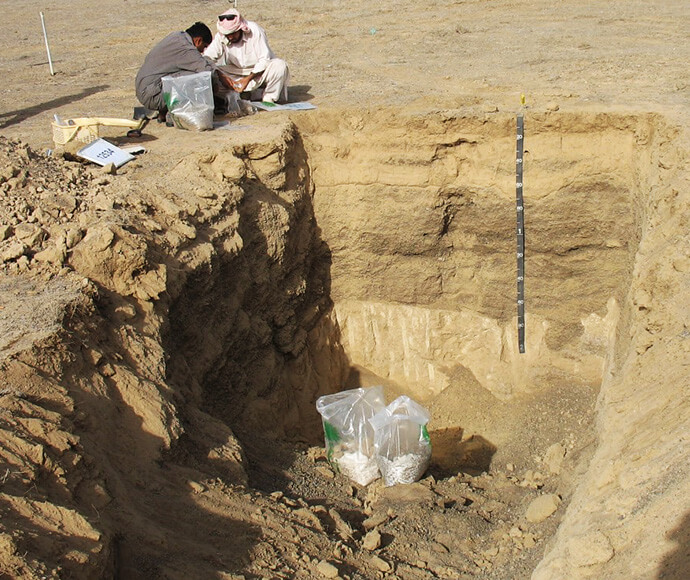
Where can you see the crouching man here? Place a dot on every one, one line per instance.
(177, 54)
(240, 49)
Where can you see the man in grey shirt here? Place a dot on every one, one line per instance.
(177, 54)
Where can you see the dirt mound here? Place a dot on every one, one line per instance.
(166, 329)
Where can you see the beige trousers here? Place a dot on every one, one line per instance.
(273, 81)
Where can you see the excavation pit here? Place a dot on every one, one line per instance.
(214, 302)
(410, 236)
(411, 263)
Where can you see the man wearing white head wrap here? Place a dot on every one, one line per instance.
(240, 49)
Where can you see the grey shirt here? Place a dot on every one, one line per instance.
(174, 55)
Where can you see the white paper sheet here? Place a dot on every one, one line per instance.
(102, 152)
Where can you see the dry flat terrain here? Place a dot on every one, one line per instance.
(166, 328)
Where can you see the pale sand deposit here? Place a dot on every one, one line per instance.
(165, 330)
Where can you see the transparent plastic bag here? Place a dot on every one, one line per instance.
(236, 107)
(348, 433)
(401, 441)
(189, 99)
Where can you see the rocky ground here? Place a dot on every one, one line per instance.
(166, 327)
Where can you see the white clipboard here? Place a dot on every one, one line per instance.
(299, 106)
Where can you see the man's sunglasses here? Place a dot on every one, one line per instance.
(227, 17)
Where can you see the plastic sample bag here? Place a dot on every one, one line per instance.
(401, 441)
(189, 99)
(236, 107)
(348, 433)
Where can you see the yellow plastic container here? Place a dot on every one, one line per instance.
(85, 129)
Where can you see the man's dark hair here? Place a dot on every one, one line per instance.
(200, 30)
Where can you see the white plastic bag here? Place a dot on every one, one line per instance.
(348, 433)
(189, 99)
(401, 441)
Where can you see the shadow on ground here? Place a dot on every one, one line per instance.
(676, 565)
(19, 115)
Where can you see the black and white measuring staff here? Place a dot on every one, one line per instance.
(520, 233)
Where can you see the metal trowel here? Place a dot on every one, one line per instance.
(143, 115)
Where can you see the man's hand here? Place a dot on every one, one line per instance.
(241, 85)
(226, 80)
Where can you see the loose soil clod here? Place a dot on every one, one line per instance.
(166, 329)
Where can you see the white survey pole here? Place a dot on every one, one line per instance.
(45, 37)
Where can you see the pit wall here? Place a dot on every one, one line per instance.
(419, 213)
(629, 516)
(252, 339)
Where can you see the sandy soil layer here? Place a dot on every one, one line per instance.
(116, 459)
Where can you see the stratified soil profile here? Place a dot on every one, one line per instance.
(167, 326)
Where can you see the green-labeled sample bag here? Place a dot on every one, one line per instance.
(348, 433)
(189, 99)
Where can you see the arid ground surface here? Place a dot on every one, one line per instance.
(166, 328)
